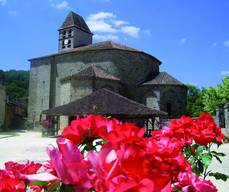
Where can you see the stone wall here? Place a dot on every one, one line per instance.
(2, 105)
(80, 89)
(161, 96)
(39, 88)
(114, 86)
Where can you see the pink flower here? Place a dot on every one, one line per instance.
(190, 182)
(69, 164)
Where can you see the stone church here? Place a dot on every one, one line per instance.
(81, 67)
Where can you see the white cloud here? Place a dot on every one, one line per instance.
(59, 4)
(224, 73)
(106, 37)
(183, 40)
(13, 13)
(118, 23)
(101, 16)
(106, 25)
(226, 43)
(131, 31)
(101, 26)
(2, 2)
(99, 22)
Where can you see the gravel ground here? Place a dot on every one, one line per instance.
(31, 146)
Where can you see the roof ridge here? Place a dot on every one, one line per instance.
(163, 78)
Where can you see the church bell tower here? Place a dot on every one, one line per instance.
(73, 33)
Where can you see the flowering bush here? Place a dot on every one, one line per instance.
(100, 154)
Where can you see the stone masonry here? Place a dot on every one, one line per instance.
(138, 74)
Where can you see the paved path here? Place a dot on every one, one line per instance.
(26, 146)
(222, 168)
(31, 146)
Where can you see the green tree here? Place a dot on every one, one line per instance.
(194, 101)
(216, 96)
(17, 83)
(211, 99)
(224, 90)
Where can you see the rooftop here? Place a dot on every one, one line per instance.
(75, 20)
(105, 102)
(92, 71)
(105, 45)
(163, 78)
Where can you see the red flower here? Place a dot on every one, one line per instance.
(19, 169)
(123, 133)
(127, 169)
(10, 183)
(88, 128)
(206, 130)
(181, 129)
(166, 157)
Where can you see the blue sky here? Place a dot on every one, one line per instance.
(190, 37)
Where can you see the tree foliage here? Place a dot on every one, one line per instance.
(17, 83)
(207, 99)
(194, 101)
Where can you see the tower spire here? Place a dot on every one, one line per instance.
(74, 32)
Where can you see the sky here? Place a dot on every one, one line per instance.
(189, 37)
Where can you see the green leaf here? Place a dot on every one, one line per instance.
(199, 150)
(218, 159)
(192, 160)
(206, 159)
(200, 166)
(218, 154)
(219, 176)
(196, 170)
(39, 183)
(187, 151)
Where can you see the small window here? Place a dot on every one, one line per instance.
(64, 34)
(69, 33)
(63, 46)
